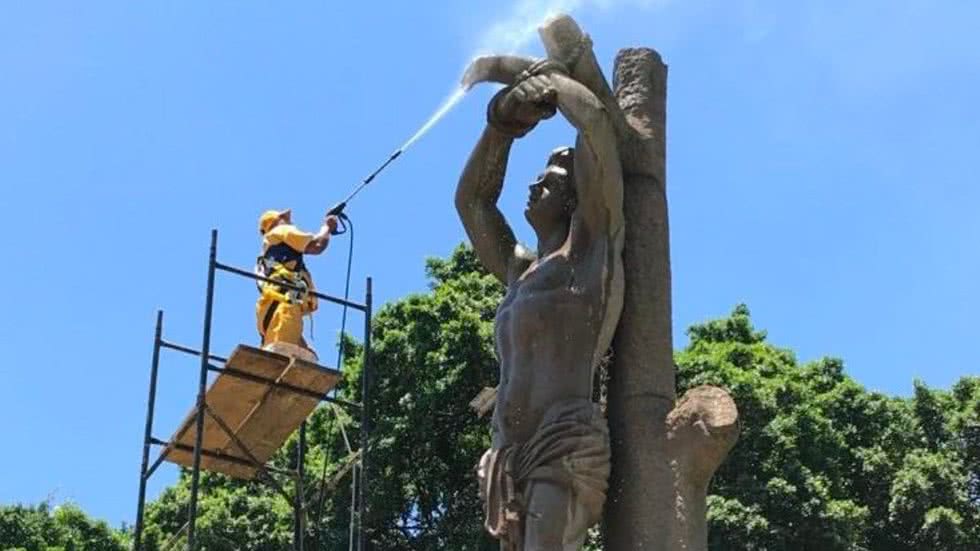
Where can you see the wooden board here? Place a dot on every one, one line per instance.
(261, 415)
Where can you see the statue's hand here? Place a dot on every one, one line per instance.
(516, 110)
(537, 90)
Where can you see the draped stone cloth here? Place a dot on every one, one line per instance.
(570, 448)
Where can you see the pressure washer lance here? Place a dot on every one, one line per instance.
(338, 209)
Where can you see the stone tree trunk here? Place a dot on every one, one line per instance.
(664, 451)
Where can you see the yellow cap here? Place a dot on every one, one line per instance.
(269, 219)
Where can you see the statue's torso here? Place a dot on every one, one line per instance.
(548, 329)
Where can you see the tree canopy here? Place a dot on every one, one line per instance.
(62, 528)
(823, 464)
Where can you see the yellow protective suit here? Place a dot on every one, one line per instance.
(279, 319)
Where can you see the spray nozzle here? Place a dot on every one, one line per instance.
(337, 209)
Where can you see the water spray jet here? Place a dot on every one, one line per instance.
(447, 105)
(515, 32)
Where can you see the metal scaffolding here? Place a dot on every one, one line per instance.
(202, 410)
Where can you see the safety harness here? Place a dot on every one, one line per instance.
(282, 263)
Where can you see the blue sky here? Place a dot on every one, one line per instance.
(822, 169)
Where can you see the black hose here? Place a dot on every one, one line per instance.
(348, 227)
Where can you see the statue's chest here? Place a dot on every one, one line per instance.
(550, 293)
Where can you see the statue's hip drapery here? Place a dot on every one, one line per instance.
(571, 449)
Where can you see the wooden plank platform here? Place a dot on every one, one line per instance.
(261, 416)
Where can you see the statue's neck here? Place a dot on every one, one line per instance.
(552, 240)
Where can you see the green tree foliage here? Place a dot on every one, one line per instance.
(232, 516)
(822, 463)
(433, 352)
(62, 528)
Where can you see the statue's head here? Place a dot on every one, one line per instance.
(552, 199)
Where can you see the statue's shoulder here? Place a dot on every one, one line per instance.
(521, 261)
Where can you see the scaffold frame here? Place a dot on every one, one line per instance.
(201, 411)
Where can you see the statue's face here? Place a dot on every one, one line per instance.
(552, 195)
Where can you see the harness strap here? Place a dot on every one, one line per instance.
(279, 272)
(267, 319)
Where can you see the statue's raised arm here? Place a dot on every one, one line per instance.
(535, 89)
(598, 172)
(476, 202)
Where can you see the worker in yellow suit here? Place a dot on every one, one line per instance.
(279, 311)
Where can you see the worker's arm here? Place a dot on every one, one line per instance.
(322, 238)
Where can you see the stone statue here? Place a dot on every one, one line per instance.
(601, 274)
(545, 477)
